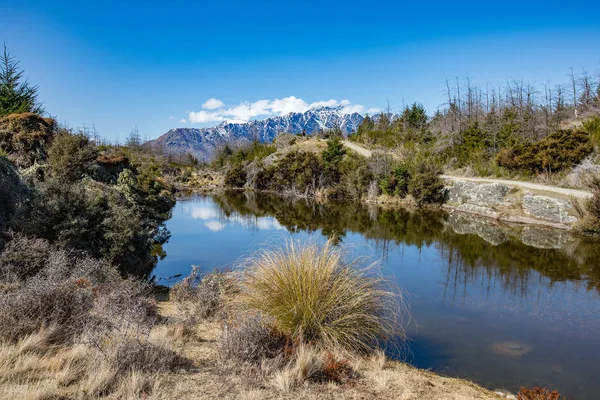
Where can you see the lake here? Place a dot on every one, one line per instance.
(500, 305)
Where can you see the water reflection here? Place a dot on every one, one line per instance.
(475, 249)
(502, 305)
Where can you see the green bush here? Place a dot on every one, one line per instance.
(72, 156)
(298, 170)
(236, 176)
(560, 150)
(397, 182)
(591, 223)
(243, 155)
(426, 188)
(592, 127)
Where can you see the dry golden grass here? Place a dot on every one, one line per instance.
(313, 295)
(34, 368)
(216, 378)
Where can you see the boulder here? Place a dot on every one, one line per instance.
(485, 194)
(548, 208)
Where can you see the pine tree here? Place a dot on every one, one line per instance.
(16, 94)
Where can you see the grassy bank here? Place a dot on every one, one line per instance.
(316, 334)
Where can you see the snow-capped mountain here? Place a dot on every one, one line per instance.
(202, 142)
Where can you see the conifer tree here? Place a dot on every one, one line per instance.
(16, 94)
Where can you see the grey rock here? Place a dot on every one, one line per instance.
(486, 194)
(548, 208)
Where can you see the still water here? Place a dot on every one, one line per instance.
(502, 306)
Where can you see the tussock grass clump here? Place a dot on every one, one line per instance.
(313, 295)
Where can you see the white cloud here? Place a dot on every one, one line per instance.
(183, 120)
(215, 226)
(373, 111)
(213, 104)
(171, 117)
(288, 105)
(269, 223)
(246, 111)
(204, 213)
(199, 117)
(353, 108)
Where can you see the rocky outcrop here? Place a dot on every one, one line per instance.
(503, 202)
(488, 194)
(548, 208)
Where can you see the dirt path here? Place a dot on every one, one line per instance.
(359, 149)
(527, 185)
(582, 194)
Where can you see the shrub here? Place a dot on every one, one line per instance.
(560, 150)
(473, 143)
(299, 171)
(12, 194)
(41, 303)
(23, 257)
(201, 295)
(235, 177)
(314, 296)
(538, 393)
(592, 127)
(396, 183)
(426, 188)
(71, 294)
(250, 338)
(25, 137)
(591, 222)
(355, 176)
(71, 157)
(336, 369)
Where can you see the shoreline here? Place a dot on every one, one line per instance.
(384, 201)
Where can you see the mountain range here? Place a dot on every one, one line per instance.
(203, 142)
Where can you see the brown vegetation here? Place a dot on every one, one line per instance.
(26, 137)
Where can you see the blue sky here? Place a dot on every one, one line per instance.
(117, 65)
